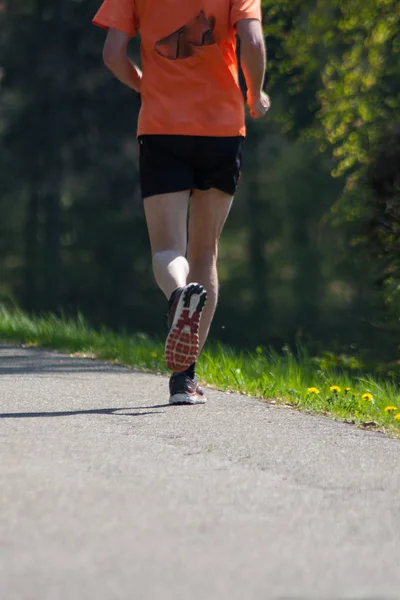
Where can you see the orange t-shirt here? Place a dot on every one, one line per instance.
(190, 74)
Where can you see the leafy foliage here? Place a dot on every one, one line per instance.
(353, 48)
(347, 55)
(383, 232)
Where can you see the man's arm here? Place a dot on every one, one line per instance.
(116, 59)
(253, 60)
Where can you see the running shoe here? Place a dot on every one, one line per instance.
(185, 390)
(182, 345)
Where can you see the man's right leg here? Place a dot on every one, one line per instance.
(218, 165)
(208, 213)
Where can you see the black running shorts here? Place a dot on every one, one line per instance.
(173, 163)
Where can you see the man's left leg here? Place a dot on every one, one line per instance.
(166, 216)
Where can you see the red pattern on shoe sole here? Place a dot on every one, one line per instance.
(182, 348)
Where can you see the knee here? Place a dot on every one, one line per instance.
(168, 254)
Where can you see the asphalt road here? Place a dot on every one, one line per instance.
(106, 493)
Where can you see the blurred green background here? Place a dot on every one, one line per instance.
(311, 251)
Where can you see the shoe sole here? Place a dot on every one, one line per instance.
(182, 345)
(187, 399)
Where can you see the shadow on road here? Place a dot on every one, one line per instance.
(95, 411)
(38, 361)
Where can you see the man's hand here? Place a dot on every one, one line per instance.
(116, 59)
(259, 105)
(253, 59)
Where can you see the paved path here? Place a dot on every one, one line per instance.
(106, 493)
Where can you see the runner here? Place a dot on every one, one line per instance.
(191, 131)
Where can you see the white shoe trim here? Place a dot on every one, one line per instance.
(187, 399)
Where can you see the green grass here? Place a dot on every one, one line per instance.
(280, 378)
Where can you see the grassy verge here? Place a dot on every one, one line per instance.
(340, 390)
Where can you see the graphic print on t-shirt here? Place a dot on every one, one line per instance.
(182, 43)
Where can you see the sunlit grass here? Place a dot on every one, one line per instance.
(280, 378)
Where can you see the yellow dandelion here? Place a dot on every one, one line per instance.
(367, 396)
(390, 409)
(313, 390)
(335, 389)
(397, 417)
(154, 354)
(347, 389)
(355, 394)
